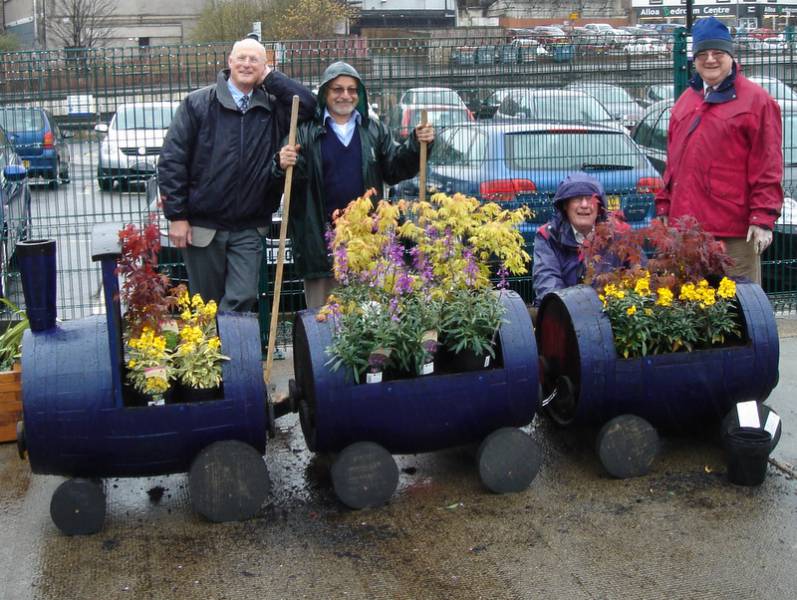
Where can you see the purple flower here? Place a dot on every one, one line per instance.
(471, 268)
(342, 265)
(403, 283)
(393, 309)
(503, 274)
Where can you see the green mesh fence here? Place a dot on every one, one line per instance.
(517, 113)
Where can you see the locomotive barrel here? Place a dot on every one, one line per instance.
(680, 391)
(76, 423)
(420, 414)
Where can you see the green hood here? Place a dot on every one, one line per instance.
(337, 69)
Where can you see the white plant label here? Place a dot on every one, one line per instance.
(748, 414)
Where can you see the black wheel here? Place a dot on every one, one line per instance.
(104, 180)
(54, 177)
(78, 507)
(508, 460)
(364, 475)
(627, 446)
(64, 175)
(228, 481)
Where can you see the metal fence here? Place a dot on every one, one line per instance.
(541, 90)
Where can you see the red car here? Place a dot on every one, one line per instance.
(763, 33)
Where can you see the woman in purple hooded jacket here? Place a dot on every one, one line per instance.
(558, 260)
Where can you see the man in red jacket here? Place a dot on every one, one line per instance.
(724, 153)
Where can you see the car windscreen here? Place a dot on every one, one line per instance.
(144, 117)
(447, 97)
(17, 120)
(572, 150)
(607, 95)
(440, 118)
(463, 146)
(580, 109)
(777, 89)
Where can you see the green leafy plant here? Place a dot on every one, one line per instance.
(11, 338)
(470, 321)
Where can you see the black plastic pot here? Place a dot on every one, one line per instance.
(747, 450)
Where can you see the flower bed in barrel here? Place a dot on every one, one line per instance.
(668, 339)
(389, 360)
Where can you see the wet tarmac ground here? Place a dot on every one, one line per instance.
(682, 531)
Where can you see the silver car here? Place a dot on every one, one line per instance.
(129, 152)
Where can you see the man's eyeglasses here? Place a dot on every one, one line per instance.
(705, 54)
(339, 90)
(255, 60)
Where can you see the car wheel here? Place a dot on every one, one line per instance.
(105, 181)
(64, 175)
(54, 176)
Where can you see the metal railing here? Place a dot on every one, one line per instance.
(82, 88)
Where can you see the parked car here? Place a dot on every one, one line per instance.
(443, 106)
(615, 99)
(763, 33)
(489, 106)
(39, 142)
(658, 92)
(552, 106)
(439, 96)
(14, 206)
(130, 150)
(525, 162)
(780, 91)
(646, 46)
(406, 117)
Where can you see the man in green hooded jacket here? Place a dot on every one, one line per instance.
(339, 155)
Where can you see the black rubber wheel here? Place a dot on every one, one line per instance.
(627, 446)
(78, 507)
(508, 460)
(364, 475)
(228, 481)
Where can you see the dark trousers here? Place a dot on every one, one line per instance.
(227, 269)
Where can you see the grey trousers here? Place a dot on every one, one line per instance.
(227, 269)
(317, 290)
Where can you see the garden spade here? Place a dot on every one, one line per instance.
(286, 204)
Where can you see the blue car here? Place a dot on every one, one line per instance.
(523, 163)
(14, 205)
(39, 142)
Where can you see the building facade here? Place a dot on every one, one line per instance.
(776, 14)
(131, 22)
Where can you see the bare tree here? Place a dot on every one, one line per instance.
(81, 23)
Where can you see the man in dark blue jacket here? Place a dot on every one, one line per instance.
(558, 262)
(215, 176)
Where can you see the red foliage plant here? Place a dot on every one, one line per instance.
(147, 294)
(680, 254)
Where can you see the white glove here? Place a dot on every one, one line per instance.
(760, 237)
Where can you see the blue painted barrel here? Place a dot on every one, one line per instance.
(418, 414)
(76, 423)
(682, 391)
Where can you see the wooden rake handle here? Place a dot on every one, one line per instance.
(286, 206)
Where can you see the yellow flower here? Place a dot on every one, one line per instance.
(665, 296)
(727, 288)
(642, 286)
(649, 312)
(631, 310)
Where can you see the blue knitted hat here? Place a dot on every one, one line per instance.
(711, 34)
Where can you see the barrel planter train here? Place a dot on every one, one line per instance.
(368, 423)
(80, 421)
(585, 382)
